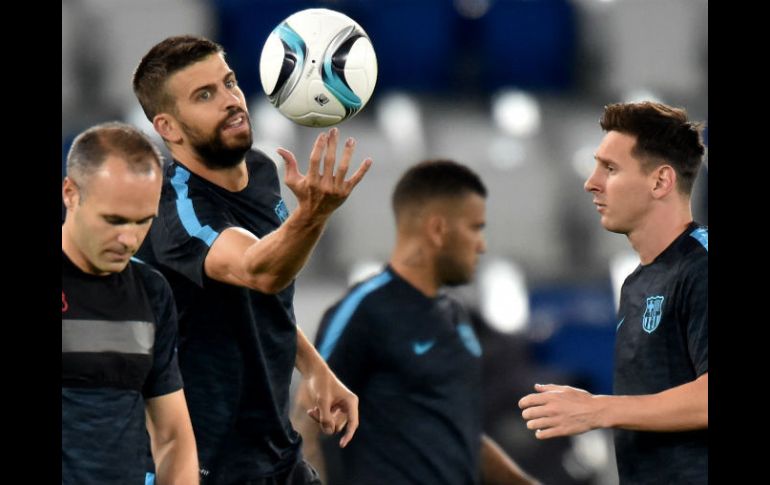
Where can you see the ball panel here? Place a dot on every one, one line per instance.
(361, 69)
(271, 62)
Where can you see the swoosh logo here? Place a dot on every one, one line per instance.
(620, 323)
(422, 347)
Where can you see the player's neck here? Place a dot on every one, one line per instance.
(415, 265)
(233, 179)
(659, 230)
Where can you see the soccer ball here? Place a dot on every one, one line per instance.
(318, 67)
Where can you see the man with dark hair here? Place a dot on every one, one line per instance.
(645, 169)
(231, 250)
(410, 353)
(119, 327)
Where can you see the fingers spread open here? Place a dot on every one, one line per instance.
(331, 153)
(313, 170)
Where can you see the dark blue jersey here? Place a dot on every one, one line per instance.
(237, 346)
(662, 342)
(118, 349)
(414, 363)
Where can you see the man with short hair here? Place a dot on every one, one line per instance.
(409, 351)
(119, 327)
(231, 250)
(645, 170)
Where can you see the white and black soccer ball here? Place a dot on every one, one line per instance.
(318, 67)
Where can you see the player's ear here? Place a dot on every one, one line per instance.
(70, 193)
(167, 127)
(436, 228)
(664, 181)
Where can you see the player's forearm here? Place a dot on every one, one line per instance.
(681, 408)
(499, 468)
(308, 360)
(277, 258)
(176, 461)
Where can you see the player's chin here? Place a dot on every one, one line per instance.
(114, 266)
(240, 140)
(613, 226)
(459, 279)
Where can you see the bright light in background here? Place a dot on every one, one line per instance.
(589, 453)
(362, 270)
(516, 113)
(621, 265)
(506, 153)
(583, 162)
(504, 297)
(472, 9)
(639, 95)
(399, 117)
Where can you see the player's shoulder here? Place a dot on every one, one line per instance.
(153, 280)
(696, 246)
(258, 161)
(698, 239)
(691, 256)
(369, 291)
(364, 296)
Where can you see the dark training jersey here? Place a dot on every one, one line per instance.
(414, 363)
(662, 342)
(237, 346)
(118, 349)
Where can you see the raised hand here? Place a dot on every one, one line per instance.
(322, 190)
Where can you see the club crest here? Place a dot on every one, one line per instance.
(652, 314)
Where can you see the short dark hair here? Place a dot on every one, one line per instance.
(164, 59)
(435, 179)
(90, 149)
(663, 135)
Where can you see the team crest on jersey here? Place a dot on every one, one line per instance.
(281, 211)
(469, 339)
(652, 314)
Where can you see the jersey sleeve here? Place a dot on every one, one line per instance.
(343, 340)
(187, 226)
(695, 314)
(164, 376)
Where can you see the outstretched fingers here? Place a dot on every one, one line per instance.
(342, 169)
(320, 145)
(292, 170)
(358, 175)
(331, 153)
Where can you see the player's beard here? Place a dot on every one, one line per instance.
(213, 150)
(452, 272)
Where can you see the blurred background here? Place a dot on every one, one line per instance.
(513, 88)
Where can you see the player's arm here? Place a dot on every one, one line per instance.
(308, 428)
(563, 410)
(270, 264)
(172, 439)
(329, 402)
(499, 468)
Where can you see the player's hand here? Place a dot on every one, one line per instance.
(334, 406)
(322, 190)
(559, 411)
